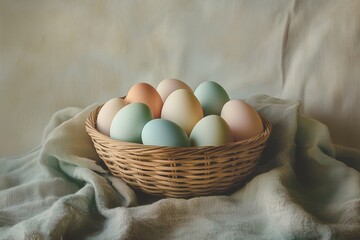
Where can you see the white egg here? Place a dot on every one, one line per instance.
(107, 113)
(167, 86)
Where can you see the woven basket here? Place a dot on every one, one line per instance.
(180, 172)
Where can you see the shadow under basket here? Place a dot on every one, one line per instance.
(179, 172)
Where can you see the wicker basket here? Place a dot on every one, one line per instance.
(179, 172)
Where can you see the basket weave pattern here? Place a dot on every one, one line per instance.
(179, 171)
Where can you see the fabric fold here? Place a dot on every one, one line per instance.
(304, 187)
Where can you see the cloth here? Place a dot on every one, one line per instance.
(303, 188)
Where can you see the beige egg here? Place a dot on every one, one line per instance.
(242, 118)
(183, 108)
(107, 113)
(167, 86)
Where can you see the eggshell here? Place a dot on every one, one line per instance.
(167, 86)
(242, 118)
(211, 130)
(183, 108)
(162, 132)
(212, 97)
(107, 113)
(147, 94)
(129, 122)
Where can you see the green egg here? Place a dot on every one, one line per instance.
(212, 130)
(212, 97)
(128, 123)
(162, 132)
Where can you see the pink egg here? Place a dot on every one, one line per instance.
(242, 118)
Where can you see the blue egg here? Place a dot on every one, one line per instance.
(162, 132)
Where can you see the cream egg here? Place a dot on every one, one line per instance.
(183, 108)
(147, 94)
(242, 118)
(167, 86)
(107, 113)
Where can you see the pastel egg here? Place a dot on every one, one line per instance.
(162, 132)
(128, 123)
(167, 86)
(183, 108)
(147, 94)
(107, 113)
(211, 130)
(212, 97)
(242, 118)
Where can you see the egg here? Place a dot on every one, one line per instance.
(212, 97)
(242, 118)
(183, 108)
(128, 123)
(211, 130)
(162, 132)
(167, 86)
(147, 94)
(107, 113)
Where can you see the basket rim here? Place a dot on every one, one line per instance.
(90, 125)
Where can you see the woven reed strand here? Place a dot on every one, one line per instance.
(179, 172)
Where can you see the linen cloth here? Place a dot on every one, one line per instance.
(303, 188)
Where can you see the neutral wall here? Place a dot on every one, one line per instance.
(56, 54)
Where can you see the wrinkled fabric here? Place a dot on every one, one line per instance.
(304, 187)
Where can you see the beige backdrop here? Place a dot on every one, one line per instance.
(56, 54)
